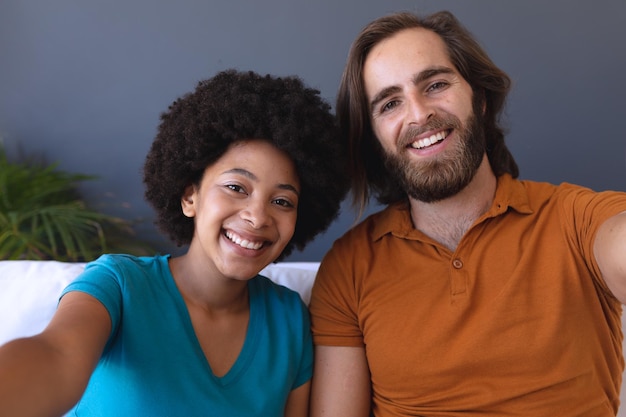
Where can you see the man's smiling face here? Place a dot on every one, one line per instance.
(423, 114)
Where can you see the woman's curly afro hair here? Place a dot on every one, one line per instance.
(199, 127)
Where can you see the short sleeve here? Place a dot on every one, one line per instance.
(334, 300)
(101, 280)
(584, 211)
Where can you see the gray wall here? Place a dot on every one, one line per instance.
(83, 82)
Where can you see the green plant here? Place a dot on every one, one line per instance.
(42, 216)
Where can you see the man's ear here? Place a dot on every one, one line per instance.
(187, 201)
(483, 101)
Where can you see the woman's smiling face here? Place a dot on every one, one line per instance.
(244, 209)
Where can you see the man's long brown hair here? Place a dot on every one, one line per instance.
(488, 82)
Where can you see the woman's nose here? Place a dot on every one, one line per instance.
(256, 214)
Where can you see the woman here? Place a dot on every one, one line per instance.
(242, 171)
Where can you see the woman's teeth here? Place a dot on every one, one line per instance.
(244, 243)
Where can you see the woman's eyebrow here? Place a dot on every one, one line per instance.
(250, 175)
(241, 171)
(289, 187)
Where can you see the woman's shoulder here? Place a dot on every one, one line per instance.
(276, 293)
(126, 262)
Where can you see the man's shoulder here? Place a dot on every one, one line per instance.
(542, 190)
(568, 196)
(528, 194)
(361, 237)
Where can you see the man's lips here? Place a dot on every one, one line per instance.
(244, 243)
(430, 140)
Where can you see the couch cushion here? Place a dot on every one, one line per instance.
(298, 276)
(29, 290)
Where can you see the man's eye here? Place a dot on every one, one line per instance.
(389, 106)
(437, 86)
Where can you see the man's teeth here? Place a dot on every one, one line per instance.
(422, 143)
(244, 243)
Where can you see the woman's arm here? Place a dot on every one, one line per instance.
(610, 251)
(341, 382)
(46, 374)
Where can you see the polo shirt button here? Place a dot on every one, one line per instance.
(457, 263)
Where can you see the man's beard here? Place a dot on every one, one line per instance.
(444, 175)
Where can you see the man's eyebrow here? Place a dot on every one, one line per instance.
(417, 78)
(253, 177)
(383, 94)
(431, 72)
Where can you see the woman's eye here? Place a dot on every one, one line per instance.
(236, 188)
(283, 203)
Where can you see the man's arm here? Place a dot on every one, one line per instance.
(341, 382)
(610, 251)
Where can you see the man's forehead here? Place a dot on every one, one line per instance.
(404, 55)
(410, 43)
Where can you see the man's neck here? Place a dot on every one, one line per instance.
(447, 221)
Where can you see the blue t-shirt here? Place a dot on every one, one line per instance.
(153, 364)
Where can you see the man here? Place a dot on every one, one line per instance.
(472, 293)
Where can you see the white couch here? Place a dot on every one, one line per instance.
(29, 291)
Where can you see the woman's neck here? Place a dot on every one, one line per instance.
(204, 286)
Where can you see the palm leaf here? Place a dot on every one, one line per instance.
(43, 217)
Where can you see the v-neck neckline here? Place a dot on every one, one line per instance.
(253, 331)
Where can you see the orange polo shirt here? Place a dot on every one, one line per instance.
(517, 321)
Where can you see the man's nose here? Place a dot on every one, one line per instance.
(419, 110)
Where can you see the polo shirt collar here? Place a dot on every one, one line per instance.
(395, 219)
(510, 193)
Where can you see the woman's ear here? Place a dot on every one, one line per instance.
(187, 201)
